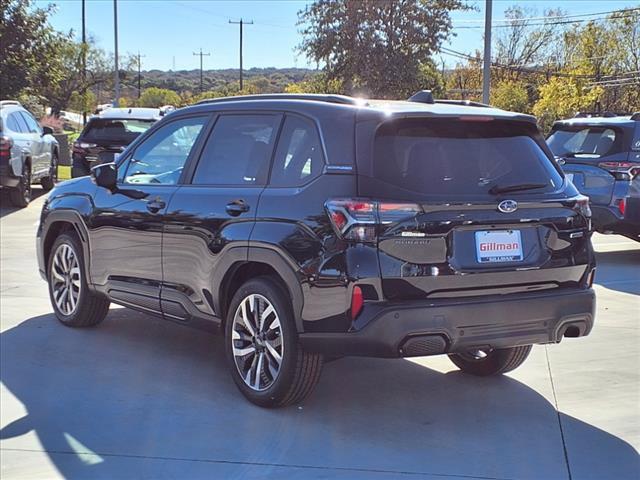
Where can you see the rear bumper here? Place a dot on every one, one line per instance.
(7, 178)
(610, 220)
(433, 327)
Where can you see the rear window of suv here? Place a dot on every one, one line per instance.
(447, 158)
(584, 141)
(119, 131)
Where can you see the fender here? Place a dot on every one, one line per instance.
(270, 255)
(68, 209)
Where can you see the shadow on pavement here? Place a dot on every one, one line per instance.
(151, 390)
(619, 270)
(6, 208)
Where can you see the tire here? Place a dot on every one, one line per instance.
(49, 182)
(81, 309)
(495, 362)
(277, 385)
(20, 196)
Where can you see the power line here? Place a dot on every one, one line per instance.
(552, 20)
(201, 55)
(241, 23)
(579, 15)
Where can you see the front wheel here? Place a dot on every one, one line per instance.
(73, 303)
(493, 362)
(267, 362)
(49, 181)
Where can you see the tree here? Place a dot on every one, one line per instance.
(28, 49)
(79, 102)
(318, 83)
(157, 97)
(510, 95)
(562, 97)
(375, 47)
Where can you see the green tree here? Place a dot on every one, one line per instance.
(28, 47)
(510, 95)
(375, 47)
(562, 97)
(318, 83)
(157, 97)
(79, 102)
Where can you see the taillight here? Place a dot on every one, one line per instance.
(621, 170)
(357, 302)
(622, 205)
(80, 147)
(5, 146)
(358, 219)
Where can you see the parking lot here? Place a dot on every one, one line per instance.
(141, 394)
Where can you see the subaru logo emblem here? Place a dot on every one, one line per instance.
(508, 206)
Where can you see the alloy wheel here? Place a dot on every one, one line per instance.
(65, 279)
(257, 342)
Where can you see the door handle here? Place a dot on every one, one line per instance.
(237, 207)
(154, 206)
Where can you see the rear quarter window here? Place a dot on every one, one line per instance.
(452, 159)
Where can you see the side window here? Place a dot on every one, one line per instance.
(22, 125)
(31, 122)
(238, 151)
(13, 125)
(161, 157)
(298, 157)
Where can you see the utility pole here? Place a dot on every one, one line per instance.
(241, 23)
(116, 101)
(486, 69)
(84, 67)
(139, 76)
(201, 55)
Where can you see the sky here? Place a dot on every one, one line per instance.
(168, 32)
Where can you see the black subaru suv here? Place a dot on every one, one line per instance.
(313, 226)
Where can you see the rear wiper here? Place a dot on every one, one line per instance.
(515, 188)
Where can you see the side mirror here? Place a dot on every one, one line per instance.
(47, 131)
(105, 175)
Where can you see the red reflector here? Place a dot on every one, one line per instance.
(622, 205)
(356, 302)
(338, 219)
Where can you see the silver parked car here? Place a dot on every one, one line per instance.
(28, 153)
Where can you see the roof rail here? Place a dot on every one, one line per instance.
(605, 114)
(467, 103)
(10, 102)
(342, 99)
(423, 96)
(636, 117)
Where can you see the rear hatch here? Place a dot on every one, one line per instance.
(102, 139)
(593, 157)
(467, 207)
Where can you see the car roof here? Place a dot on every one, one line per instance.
(132, 113)
(598, 121)
(308, 103)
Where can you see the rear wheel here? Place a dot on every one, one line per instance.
(20, 196)
(50, 181)
(73, 303)
(266, 360)
(493, 362)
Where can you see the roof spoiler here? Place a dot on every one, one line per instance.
(425, 96)
(636, 117)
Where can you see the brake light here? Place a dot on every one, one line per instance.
(357, 302)
(622, 205)
(80, 147)
(5, 146)
(621, 170)
(358, 219)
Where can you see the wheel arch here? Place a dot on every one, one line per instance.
(259, 262)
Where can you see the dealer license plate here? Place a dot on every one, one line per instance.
(495, 246)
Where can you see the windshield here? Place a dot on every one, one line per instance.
(120, 131)
(584, 141)
(457, 159)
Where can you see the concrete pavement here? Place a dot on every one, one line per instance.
(138, 397)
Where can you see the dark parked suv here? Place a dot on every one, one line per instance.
(307, 226)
